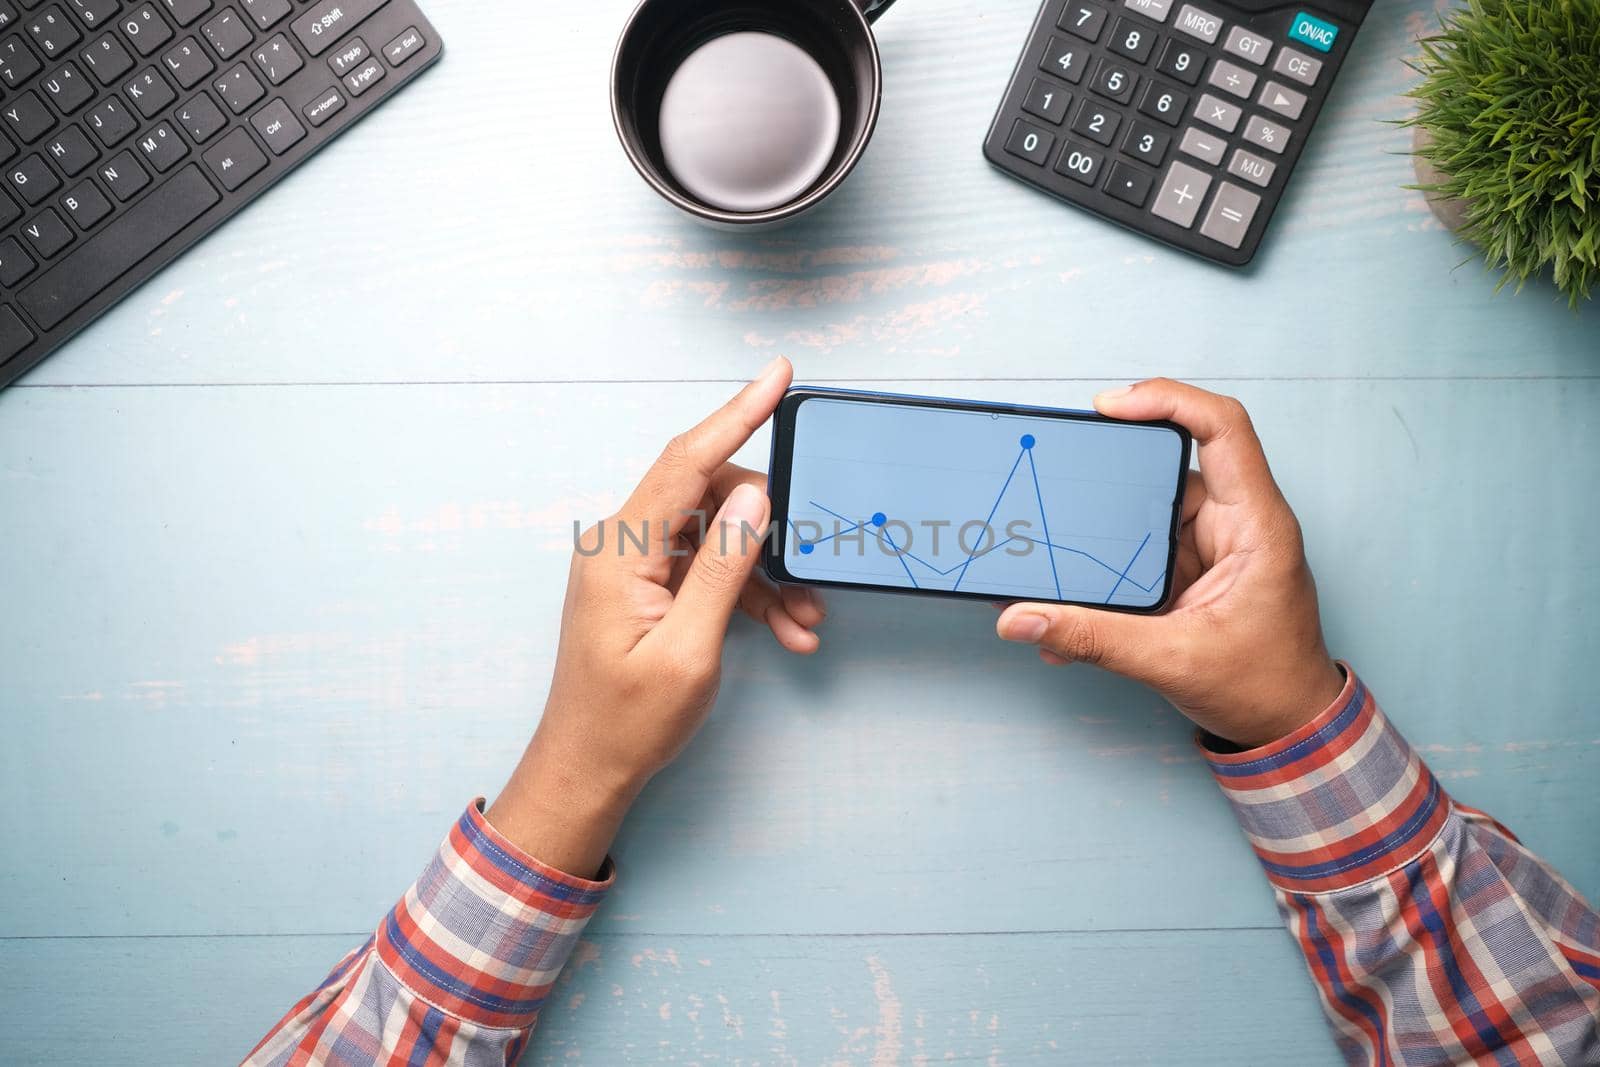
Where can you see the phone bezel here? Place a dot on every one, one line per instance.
(780, 464)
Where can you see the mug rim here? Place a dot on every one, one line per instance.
(722, 216)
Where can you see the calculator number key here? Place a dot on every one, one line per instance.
(1163, 103)
(1097, 123)
(1029, 142)
(1182, 62)
(1129, 184)
(1114, 81)
(1047, 100)
(1064, 60)
(1147, 143)
(1131, 39)
(1080, 163)
(1083, 20)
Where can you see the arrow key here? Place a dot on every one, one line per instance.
(1283, 100)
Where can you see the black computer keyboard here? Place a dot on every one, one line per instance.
(129, 129)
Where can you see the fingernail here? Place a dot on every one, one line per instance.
(817, 601)
(1113, 394)
(1026, 628)
(770, 369)
(745, 506)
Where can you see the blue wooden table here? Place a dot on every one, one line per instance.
(283, 539)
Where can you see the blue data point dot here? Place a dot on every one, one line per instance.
(879, 518)
(806, 550)
(1027, 440)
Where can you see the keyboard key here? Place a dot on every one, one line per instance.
(17, 61)
(1267, 134)
(28, 118)
(72, 151)
(328, 104)
(1202, 146)
(1029, 142)
(277, 59)
(278, 127)
(235, 159)
(124, 176)
(363, 78)
(145, 29)
(7, 150)
(1232, 78)
(238, 88)
(1201, 25)
(1228, 219)
(47, 233)
(1283, 100)
(403, 47)
(1047, 100)
(93, 12)
(1297, 65)
(15, 265)
(85, 204)
(1132, 39)
(227, 34)
(1147, 143)
(329, 20)
(67, 89)
(201, 118)
(33, 179)
(1096, 122)
(1128, 183)
(53, 32)
(162, 147)
(111, 122)
(1182, 62)
(186, 11)
(149, 92)
(1080, 163)
(106, 59)
(8, 15)
(14, 336)
(1062, 60)
(117, 248)
(1219, 113)
(1083, 20)
(1251, 167)
(187, 64)
(1250, 47)
(266, 13)
(1308, 29)
(9, 211)
(1163, 103)
(1114, 81)
(1155, 9)
(1181, 193)
(349, 57)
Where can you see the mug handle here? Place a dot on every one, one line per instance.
(873, 8)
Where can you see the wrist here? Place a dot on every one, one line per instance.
(1308, 693)
(561, 809)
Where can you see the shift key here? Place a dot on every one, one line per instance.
(322, 26)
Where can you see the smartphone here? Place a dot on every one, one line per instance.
(958, 498)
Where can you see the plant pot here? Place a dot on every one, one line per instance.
(1452, 211)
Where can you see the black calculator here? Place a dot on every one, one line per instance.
(1180, 120)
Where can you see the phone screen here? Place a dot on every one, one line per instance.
(967, 499)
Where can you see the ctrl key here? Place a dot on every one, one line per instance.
(235, 159)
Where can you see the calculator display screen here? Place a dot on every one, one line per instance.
(977, 500)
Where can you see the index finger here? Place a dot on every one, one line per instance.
(1231, 458)
(673, 487)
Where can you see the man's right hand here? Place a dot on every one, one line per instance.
(1239, 649)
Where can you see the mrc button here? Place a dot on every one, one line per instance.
(1308, 29)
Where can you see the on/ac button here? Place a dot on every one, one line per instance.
(1308, 29)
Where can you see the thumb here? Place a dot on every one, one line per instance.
(1121, 643)
(727, 554)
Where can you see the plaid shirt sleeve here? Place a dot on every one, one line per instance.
(455, 973)
(1432, 934)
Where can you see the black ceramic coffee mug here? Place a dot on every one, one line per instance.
(747, 113)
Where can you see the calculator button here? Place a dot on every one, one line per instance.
(1284, 101)
(1219, 113)
(1202, 146)
(1064, 60)
(1155, 9)
(1181, 193)
(1308, 29)
(1202, 25)
(1128, 183)
(1232, 78)
(1268, 135)
(1147, 143)
(1047, 100)
(1096, 123)
(1250, 47)
(1182, 62)
(1083, 20)
(1297, 65)
(1030, 142)
(1114, 80)
(1229, 216)
(1080, 162)
(1251, 167)
(1132, 39)
(1163, 103)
